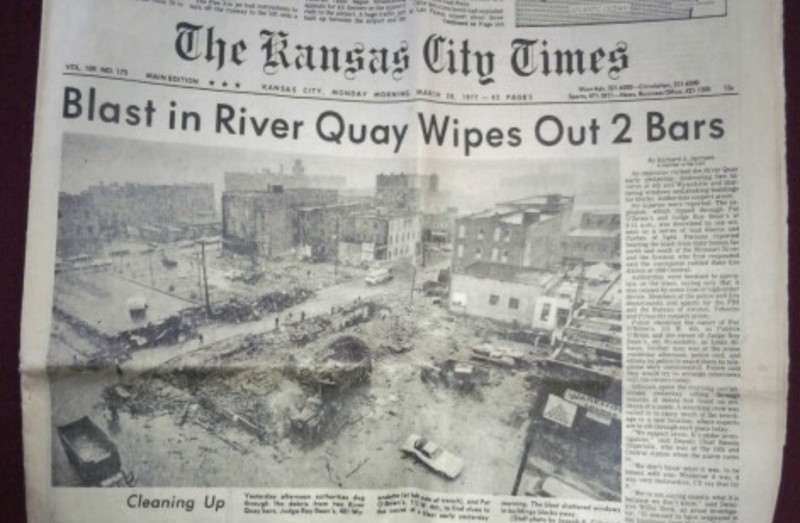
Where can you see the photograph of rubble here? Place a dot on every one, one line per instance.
(543, 13)
(241, 318)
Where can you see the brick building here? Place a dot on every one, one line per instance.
(102, 213)
(597, 239)
(319, 228)
(521, 233)
(374, 236)
(297, 179)
(405, 192)
(78, 225)
(121, 208)
(267, 223)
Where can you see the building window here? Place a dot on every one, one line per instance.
(562, 316)
(505, 256)
(461, 231)
(497, 234)
(494, 299)
(494, 254)
(507, 235)
(513, 303)
(545, 312)
(478, 253)
(460, 250)
(480, 234)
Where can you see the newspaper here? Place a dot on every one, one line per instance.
(406, 260)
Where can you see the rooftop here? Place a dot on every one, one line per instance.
(544, 204)
(593, 233)
(331, 206)
(511, 274)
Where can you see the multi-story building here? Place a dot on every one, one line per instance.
(439, 227)
(102, 213)
(298, 178)
(523, 233)
(122, 208)
(319, 228)
(417, 193)
(405, 192)
(266, 223)
(78, 225)
(374, 236)
(597, 239)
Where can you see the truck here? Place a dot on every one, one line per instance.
(93, 455)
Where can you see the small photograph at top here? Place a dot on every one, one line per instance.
(542, 13)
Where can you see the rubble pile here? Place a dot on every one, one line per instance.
(236, 310)
(280, 300)
(170, 331)
(341, 364)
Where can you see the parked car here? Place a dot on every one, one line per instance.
(433, 456)
(494, 356)
(378, 276)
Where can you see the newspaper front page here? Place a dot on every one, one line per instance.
(406, 260)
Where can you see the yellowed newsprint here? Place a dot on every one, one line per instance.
(406, 260)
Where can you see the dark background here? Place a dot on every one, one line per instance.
(19, 43)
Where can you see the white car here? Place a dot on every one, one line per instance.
(434, 456)
(378, 276)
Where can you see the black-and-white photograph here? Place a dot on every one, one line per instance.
(244, 318)
(543, 13)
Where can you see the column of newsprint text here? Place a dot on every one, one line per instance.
(683, 359)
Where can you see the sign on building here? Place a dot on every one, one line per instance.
(560, 411)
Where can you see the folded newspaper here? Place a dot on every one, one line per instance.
(406, 260)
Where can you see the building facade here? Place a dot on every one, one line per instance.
(266, 178)
(102, 213)
(376, 236)
(78, 225)
(524, 233)
(500, 292)
(597, 239)
(319, 229)
(266, 223)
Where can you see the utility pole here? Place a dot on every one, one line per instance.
(413, 282)
(523, 461)
(205, 276)
(150, 260)
(336, 247)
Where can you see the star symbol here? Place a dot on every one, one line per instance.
(238, 85)
(224, 84)
(211, 82)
